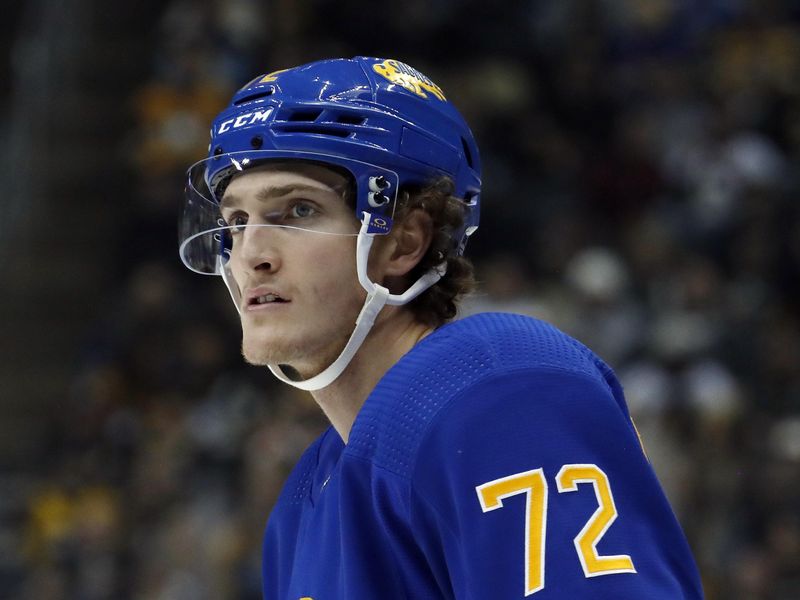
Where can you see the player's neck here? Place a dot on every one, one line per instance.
(392, 336)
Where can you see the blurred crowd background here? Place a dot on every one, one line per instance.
(641, 192)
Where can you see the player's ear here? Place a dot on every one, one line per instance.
(406, 244)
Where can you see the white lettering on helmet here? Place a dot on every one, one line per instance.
(224, 126)
(259, 116)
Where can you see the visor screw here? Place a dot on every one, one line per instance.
(256, 142)
(376, 199)
(217, 150)
(378, 184)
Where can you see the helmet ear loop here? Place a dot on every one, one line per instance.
(377, 297)
(369, 224)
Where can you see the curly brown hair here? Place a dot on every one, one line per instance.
(438, 304)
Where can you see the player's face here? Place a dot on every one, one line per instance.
(299, 288)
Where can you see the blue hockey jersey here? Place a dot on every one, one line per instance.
(496, 460)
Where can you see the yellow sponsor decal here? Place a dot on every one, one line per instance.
(409, 78)
(266, 79)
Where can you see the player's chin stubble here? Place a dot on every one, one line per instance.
(293, 354)
(262, 354)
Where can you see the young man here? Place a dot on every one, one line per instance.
(487, 458)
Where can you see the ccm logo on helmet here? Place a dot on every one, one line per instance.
(259, 116)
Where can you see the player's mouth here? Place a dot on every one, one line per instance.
(259, 299)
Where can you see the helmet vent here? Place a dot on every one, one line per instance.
(316, 129)
(251, 97)
(348, 119)
(305, 115)
(467, 153)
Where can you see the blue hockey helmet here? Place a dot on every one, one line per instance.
(383, 121)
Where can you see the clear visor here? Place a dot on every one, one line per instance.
(222, 213)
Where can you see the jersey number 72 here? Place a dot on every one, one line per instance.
(534, 485)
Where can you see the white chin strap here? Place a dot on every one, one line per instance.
(377, 297)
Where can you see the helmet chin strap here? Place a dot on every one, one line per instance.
(377, 297)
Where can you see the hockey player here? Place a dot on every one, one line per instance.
(486, 458)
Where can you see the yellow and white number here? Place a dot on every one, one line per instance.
(534, 485)
(586, 541)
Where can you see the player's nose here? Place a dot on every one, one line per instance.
(258, 249)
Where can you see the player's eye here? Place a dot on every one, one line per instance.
(236, 222)
(301, 210)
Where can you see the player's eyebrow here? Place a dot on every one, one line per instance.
(268, 193)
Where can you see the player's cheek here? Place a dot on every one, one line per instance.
(335, 264)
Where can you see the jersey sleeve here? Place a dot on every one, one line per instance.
(533, 484)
